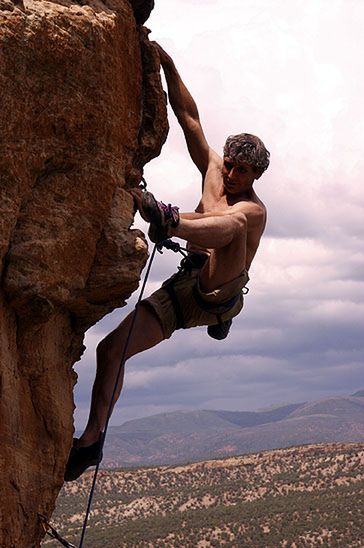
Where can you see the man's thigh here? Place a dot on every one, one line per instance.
(192, 313)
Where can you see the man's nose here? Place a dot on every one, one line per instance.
(232, 172)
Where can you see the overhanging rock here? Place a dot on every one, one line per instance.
(81, 111)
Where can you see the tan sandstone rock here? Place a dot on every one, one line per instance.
(81, 111)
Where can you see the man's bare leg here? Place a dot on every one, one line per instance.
(147, 332)
(225, 235)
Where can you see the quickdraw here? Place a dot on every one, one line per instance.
(51, 532)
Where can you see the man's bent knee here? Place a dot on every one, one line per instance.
(108, 347)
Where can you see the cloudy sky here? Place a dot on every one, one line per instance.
(291, 72)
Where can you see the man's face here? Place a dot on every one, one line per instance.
(238, 178)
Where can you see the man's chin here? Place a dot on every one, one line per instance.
(229, 189)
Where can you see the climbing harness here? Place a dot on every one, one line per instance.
(186, 265)
(51, 532)
(191, 261)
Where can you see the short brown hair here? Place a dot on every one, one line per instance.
(248, 148)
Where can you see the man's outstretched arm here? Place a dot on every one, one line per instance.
(185, 109)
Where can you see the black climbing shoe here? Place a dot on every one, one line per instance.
(219, 331)
(81, 458)
(161, 217)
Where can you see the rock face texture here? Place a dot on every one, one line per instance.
(81, 112)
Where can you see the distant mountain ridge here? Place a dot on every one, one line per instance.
(180, 436)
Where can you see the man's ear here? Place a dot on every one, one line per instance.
(258, 174)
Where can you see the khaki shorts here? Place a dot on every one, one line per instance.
(193, 314)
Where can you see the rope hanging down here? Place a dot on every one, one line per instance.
(168, 244)
(122, 362)
(47, 527)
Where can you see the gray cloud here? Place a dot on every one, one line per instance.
(280, 72)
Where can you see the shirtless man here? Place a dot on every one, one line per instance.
(223, 236)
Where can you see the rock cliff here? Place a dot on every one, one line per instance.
(81, 112)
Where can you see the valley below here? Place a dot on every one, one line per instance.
(304, 496)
